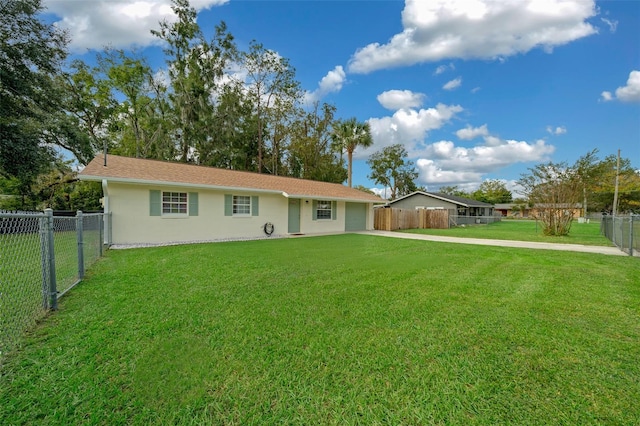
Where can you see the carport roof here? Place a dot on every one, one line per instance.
(154, 172)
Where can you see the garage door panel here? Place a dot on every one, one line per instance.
(355, 217)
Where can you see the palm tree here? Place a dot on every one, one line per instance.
(349, 134)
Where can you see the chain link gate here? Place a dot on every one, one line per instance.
(623, 231)
(41, 258)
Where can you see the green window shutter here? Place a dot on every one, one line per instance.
(228, 205)
(334, 210)
(314, 212)
(255, 209)
(193, 204)
(155, 203)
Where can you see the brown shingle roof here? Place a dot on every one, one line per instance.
(136, 170)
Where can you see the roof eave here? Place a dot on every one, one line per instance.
(330, 198)
(221, 187)
(178, 184)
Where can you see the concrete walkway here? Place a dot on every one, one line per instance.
(612, 251)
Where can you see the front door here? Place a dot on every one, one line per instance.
(294, 216)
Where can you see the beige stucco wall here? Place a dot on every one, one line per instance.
(310, 226)
(132, 223)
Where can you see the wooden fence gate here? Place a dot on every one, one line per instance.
(390, 219)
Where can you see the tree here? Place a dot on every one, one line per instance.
(234, 143)
(271, 81)
(589, 171)
(391, 168)
(364, 189)
(554, 189)
(311, 154)
(31, 52)
(56, 187)
(454, 190)
(89, 107)
(492, 191)
(132, 78)
(602, 186)
(348, 135)
(195, 66)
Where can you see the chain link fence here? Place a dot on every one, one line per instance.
(41, 258)
(623, 231)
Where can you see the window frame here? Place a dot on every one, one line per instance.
(324, 206)
(245, 206)
(182, 204)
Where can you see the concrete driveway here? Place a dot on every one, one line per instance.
(612, 251)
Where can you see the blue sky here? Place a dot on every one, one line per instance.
(474, 89)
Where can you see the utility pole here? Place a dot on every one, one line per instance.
(615, 192)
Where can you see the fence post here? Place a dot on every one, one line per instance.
(79, 232)
(631, 218)
(101, 224)
(51, 259)
(44, 264)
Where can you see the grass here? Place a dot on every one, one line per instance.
(525, 230)
(347, 329)
(21, 282)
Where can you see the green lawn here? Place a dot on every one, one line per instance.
(21, 282)
(347, 329)
(523, 230)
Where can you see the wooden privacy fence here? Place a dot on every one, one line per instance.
(389, 219)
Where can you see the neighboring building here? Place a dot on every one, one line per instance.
(159, 202)
(575, 210)
(457, 206)
(521, 210)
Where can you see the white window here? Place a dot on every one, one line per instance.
(323, 209)
(174, 202)
(241, 205)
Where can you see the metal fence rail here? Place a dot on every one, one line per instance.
(456, 220)
(623, 231)
(41, 258)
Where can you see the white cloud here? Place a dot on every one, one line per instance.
(120, 24)
(477, 29)
(398, 99)
(162, 77)
(443, 68)
(469, 132)
(453, 84)
(407, 126)
(560, 130)
(606, 96)
(628, 93)
(382, 192)
(431, 173)
(444, 163)
(330, 83)
(333, 81)
(613, 24)
(475, 90)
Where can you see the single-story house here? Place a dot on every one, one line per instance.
(575, 210)
(457, 206)
(154, 201)
(524, 211)
(521, 210)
